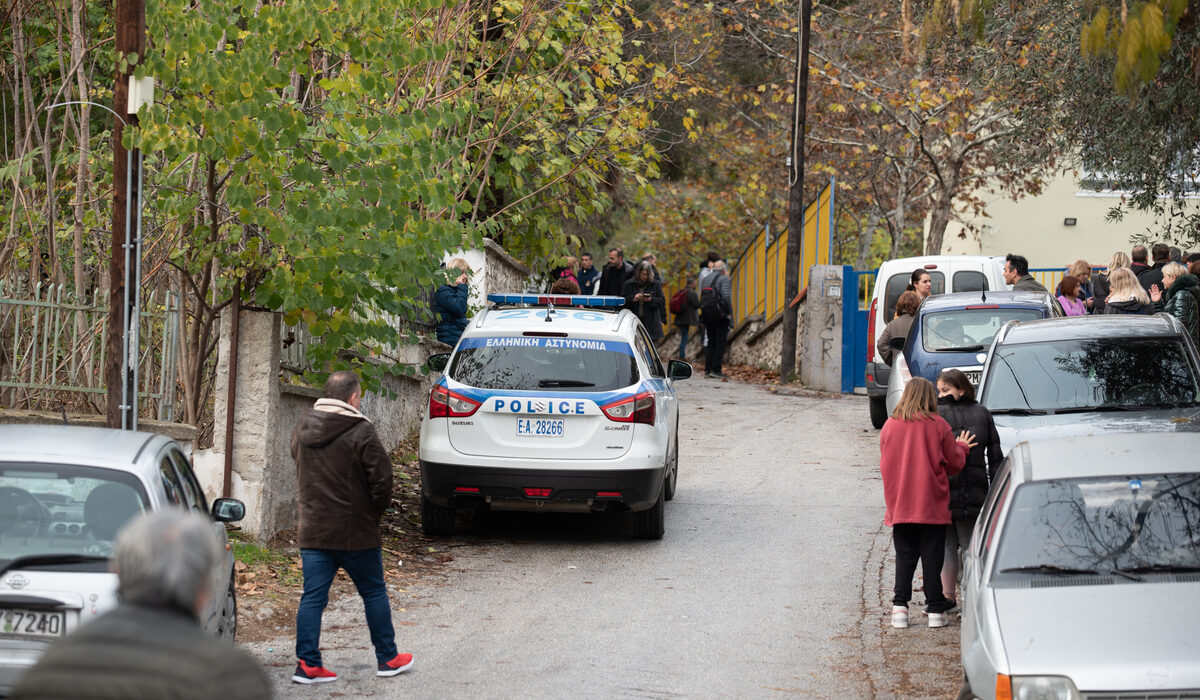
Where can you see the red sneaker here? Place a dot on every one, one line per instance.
(312, 674)
(396, 666)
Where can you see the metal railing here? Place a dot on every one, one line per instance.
(52, 348)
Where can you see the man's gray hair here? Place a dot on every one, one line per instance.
(166, 559)
(342, 385)
(719, 266)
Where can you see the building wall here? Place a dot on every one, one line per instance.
(1034, 227)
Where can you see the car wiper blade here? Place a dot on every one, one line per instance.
(1159, 569)
(1017, 411)
(963, 348)
(1047, 569)
(563, 382)
(33, 560)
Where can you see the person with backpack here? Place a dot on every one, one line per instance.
(716, 312)
(685, 304)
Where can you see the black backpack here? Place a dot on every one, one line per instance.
(712, 306)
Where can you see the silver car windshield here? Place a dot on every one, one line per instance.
(1109, 373)
(948, 331)
(64, 509)
(1135, 525)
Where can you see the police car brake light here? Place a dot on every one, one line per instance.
(605, 302)
(444, 403)
(632, 409)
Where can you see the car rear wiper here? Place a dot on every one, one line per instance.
(563, 382)
(963, 348)
(1017, 411)
(1048, 569)
(1159, 569)
(34, 560)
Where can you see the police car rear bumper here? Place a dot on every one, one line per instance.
(461, 486)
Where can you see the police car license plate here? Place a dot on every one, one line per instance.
(32, 623)
(541, 427)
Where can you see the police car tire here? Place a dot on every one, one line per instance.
(672, 477)
(435, 519)
(878, 412)
(650, 524)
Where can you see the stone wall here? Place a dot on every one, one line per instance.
(756, 342)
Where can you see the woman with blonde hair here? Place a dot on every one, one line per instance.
(1126, 295)
(918, 454)
(1180, 298)
(1100, 285)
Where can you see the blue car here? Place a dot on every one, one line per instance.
(955, 331)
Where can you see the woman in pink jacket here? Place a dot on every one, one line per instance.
(919, 453)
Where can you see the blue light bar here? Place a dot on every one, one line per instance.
(557, 300)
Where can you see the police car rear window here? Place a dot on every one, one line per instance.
(544, 364)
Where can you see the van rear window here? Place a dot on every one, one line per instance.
(896, 285)
(544, 364)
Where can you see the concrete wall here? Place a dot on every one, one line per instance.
(1034, 226)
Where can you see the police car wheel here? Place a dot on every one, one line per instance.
(649, 524)
(672, 477)
(435, 519)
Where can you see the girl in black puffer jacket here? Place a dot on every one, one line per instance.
(968, 488)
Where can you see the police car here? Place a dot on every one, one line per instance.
(551, 403)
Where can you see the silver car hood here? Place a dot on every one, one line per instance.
(1014, 429)
(1124, 636)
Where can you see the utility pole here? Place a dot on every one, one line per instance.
(130, 41)
(791, 276)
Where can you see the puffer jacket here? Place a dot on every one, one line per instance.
(969, 488)
(450, 303)
(1180, 301)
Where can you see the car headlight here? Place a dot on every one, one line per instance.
(1035, 688)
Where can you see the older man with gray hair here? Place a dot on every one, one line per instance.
(152, 645)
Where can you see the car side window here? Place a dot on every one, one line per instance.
(897, 283)
(170, 479)
(191, 485)
(991, 510)
(969, 281)
(646, 348)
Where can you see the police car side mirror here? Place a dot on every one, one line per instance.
(896, 343)
(678, 369)
(437, 363)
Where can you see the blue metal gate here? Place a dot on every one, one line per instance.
(857, 288)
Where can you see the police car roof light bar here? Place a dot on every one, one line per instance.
(607, 302)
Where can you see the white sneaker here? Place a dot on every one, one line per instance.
(937, 619)
(899, 617)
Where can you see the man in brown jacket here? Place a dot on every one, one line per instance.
(344, 480)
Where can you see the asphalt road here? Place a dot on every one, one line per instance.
(772, 580)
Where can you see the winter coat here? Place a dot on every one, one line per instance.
(690, 316)
(1029, 284)
(896, 328)
(1127, 306)
(612, 280)
(723, 286)
(1151, 276)
(917, 457)
(450, 303)
(969, 488)
(134, 652)
(587, 280)
(648, 311)
(343, 478)
(1179, 300)
(1100, 290)
(1073, 307)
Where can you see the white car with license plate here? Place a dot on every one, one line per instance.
(552, 404)
(65, 492)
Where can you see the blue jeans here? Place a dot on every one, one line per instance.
(365, 568)
(683, 338)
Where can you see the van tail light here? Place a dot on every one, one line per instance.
(444, 403)
(634, 409)
(871, 331)
(901, 365)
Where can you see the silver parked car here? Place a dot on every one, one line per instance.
(1090, 374)
(1084, 571)
(65, 492)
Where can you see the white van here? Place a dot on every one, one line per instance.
(949, 273)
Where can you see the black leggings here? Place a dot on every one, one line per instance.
(915, 541)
